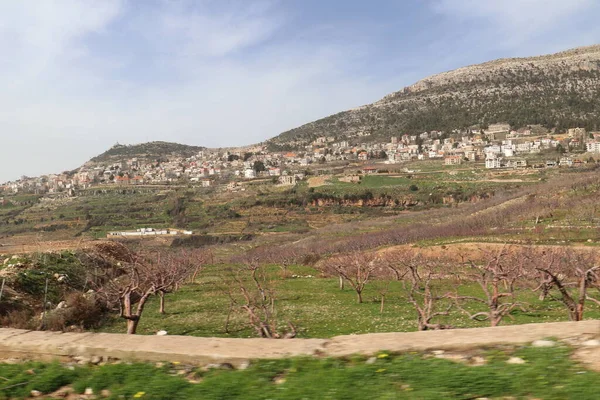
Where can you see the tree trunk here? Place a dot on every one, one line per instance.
(494, 321)
(195, 274)
(583, 285)
(421, 325)
(573, 314)
(341, 283)
(382, 303)
(579, 312)
(359, 297)
(132, 326)
(228, 317)
(162, 302)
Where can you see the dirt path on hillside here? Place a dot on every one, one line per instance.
(47, 246)
(472, 250)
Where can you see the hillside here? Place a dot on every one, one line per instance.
(556, 91)
(150, 150)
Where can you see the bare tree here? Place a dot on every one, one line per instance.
(405, 263)
(355, 267)
(426, 301)
(283, 259)
(572, 273)
(178, 267)
(398, 261)
(496, 276)
(423, 273)
(251, 291)
(382, 286)
(200, 258)
(143, 277)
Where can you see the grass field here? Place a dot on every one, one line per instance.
(318, 308)
(546, 374)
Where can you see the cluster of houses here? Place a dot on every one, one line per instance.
(498, 145)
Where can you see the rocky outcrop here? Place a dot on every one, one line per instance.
(557, 90)
(374, 202)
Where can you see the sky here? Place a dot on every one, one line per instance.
(78, 76)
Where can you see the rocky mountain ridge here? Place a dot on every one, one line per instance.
(556, 91)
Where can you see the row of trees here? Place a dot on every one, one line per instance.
(434, 285)
(125, 281)
(487, 285)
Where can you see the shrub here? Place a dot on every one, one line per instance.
(18, 319)
(80, 312)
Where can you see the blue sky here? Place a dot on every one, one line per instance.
(78, 76)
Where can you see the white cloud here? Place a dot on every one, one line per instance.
(35, 35)
(512, 24)
(192, 72)
(206, 33)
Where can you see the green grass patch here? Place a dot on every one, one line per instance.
(547, 373)
(319, 308)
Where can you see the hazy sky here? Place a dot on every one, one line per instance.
(77, 76)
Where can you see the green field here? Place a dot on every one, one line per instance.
(546, 373)
(318, 308)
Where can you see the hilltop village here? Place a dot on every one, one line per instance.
(498, 147)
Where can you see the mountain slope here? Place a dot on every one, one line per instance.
(150, 150)
(557, 91)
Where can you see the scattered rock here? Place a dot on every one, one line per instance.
(515, 360)
(35, 393)
(244, 365)
(372, 360)
(478, 361)
(161, 333)
(192, 378)
(208, 367)
(96, 360)
(543, 343)
(217, 366)
(591, 343)
(88, 391)
(438, 352)
(456, 357)
(62, 392)
(81, 360)
(62, 304)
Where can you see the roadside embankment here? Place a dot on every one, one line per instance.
(45, 346)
